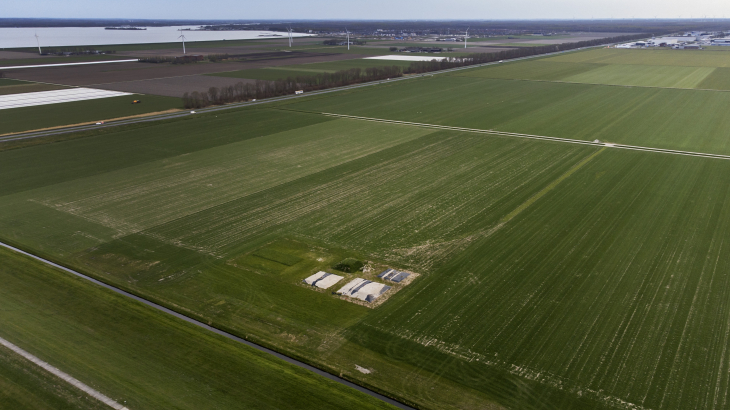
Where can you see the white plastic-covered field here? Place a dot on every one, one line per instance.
(406, 58)
(322, 280)
(363, 289)
(54, 97)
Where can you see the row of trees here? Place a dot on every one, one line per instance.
(481, 58)
(267, 89)
(172, 60)
(336, 42)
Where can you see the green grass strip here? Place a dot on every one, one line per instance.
(548, 188)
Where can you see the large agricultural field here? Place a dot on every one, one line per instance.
(546, 274)
(137, 356)
(275, 73)
(82, 112)
(663, 68)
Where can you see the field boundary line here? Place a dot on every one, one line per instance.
(63, 375)
(215, 330)
(535, 137)
(17, 67)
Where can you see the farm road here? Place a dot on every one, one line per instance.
(209, 328)
(534, 137)
(64, 376)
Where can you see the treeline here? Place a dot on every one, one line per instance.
(268, 89)
(213, 58)
(419, 67)
(338, 42)
(172, 60)
(68, 51)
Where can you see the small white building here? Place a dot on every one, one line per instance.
(363, 289)
(322, 280)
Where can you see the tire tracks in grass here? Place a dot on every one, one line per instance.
(456, 245)
(548, 188)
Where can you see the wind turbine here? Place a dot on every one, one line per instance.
(348, 38)
(290, 36)
(39, 43)
(182, 36)
(466, 35)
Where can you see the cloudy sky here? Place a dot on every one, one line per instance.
(370, 9)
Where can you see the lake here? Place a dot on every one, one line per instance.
(89, 36)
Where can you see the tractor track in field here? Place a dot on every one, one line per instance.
(209, 328)
(532, 136)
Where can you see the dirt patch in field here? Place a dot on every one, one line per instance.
(99, 74)
(174, 86)
(17, 55)
(28, 88)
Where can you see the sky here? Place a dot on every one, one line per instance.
(369, 9)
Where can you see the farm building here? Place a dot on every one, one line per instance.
(322, 280)
(393, 275)
(363, 289)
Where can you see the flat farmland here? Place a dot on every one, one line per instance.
(642, 68)
(172, 86)
(657, 117)
(550, 275)
(8, 86)
(275, 73)
(55, 115)
(139, 357)
(612, 286)
(679, 58)
(338, 192)
(608, 74)
(33, 59)
(134, 71)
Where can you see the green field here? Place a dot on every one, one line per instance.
(55, 115)
(136, 355)
(6, 82)
(643, 68)
(687, 58)
(26, 386)
(664, 118)
(551, 275)
(59, 60)
(8, 86)
(275, 73)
